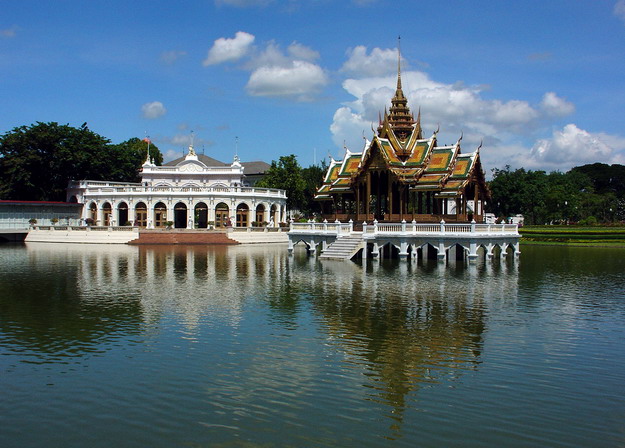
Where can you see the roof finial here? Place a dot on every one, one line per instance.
(398, 62)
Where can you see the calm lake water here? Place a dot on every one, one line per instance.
(247, 346)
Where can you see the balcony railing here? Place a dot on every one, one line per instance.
(403, 228)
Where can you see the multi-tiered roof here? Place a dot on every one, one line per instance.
(399, 147)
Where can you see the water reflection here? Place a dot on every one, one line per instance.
(393, 328)
(405, 325)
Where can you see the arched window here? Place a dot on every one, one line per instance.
(107, 212)
(260, 214)
(180, 215)
(141, 215)
(243, 212)
(201, 215)
(122, 214)
(160, 215)
(222, 215)
(93, 213)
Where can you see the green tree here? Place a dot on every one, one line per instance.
(36, 162)
(286, 174)
(129, 156)
(313, 178)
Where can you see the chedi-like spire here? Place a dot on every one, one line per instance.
(400, 118)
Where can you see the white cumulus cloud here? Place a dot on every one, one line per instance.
(568, 147)
(514, 131)
(619, 10)
(228, 50)
(153, 110)
(301, 80)
(458, 108)
(378, 63)
(555, 106)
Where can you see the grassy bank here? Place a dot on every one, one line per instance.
(573, 235)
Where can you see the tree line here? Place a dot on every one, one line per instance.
(587, 194)
(37, 161)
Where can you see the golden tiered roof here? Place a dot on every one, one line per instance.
(399, 147)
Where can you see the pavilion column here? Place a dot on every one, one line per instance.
(389, 189)
(476, 204)
(150, 206)
(100, 220)
(400, 191)
(190, 215)
(368, 198)
(378, 202)
(358, 202)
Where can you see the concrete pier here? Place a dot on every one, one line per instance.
(410, 238)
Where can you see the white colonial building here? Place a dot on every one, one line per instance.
(189, 192)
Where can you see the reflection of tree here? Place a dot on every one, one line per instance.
(47, 308)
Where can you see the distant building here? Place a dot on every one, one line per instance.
(400, 175)
(192, 192)
(18, 214)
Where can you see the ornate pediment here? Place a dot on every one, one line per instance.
(191, 167)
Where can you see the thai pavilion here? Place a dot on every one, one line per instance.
(190, 192)
(399, 175)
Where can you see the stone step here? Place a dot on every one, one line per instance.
(342, 249)
(164, 237)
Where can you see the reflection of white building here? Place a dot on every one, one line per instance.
(190, 193)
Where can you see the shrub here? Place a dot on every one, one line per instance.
(590, 221)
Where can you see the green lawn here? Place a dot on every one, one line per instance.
(575, 235)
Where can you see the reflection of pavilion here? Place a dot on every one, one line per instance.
(405, 338)
(195, 192)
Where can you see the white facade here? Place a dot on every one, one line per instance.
(189, 195)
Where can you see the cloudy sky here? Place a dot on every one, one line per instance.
(541, 83)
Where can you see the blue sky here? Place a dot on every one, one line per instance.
(541, 83)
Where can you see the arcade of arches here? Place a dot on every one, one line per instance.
(203, 216)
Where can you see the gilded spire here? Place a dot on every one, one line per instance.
(400, 118)
(398, 63)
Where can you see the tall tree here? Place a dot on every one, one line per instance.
(286, 174)
(313, 178)
(36, 162)
(129, 156)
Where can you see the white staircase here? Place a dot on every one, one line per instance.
(343, 248)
